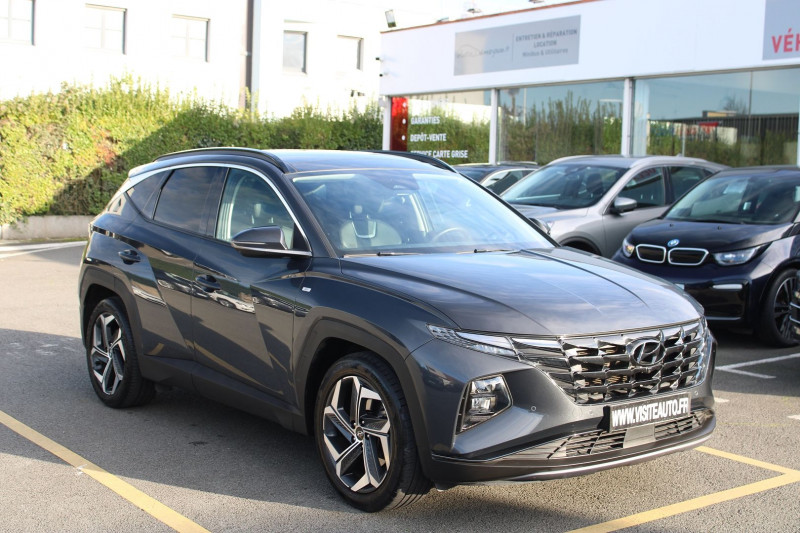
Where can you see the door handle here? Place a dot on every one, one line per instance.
(129, 256)
(208, 283)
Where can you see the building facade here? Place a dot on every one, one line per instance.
(279, 54)
(718, 79)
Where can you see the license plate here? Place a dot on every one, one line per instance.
(649, 411)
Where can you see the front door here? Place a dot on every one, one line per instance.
(243, 307)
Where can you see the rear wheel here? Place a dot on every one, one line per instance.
(774, 325)
(364, 436)
(112, 359)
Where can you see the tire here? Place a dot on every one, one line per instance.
(774, 326)
(112, 359)
(364, 436)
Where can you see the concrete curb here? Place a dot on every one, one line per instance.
(46, 227)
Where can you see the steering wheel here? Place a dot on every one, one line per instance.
(460, 234)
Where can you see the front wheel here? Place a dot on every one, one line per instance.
(112, 359)
(774, 325)
(364, 435)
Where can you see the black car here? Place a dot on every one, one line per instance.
(356, 297)
(732, 243)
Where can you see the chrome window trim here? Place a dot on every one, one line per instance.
(132, 181)
(705, 254)
(663, 250)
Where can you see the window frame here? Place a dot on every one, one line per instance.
(9, 21)
(304, 68)
(103, 28)
(359, 44)
(186, 39)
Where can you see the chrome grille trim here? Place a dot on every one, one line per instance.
(696, 252)
(600, 441)
(654, 252)
(602, 368)
(651, 253)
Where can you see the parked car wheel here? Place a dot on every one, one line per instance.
(112, 360)
(364, 435)
(775, 327)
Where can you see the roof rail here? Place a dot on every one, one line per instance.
(260, 154)
(419, 157)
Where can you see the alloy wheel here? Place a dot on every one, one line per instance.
(781, 313)
(356, 434)
(107, 357)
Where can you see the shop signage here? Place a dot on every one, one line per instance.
(781, 29)
(545, 43)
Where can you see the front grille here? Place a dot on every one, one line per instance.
(687, 256)
(614, 367)
(596, 442)
(651, 254)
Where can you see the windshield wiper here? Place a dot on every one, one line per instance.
(488, 250)
(386, 254)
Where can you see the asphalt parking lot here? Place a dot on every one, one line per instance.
(68, 463)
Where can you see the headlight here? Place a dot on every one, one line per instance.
(627, 248)
(737, 257)
(490, 344)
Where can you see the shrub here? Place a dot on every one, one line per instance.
(67, 152)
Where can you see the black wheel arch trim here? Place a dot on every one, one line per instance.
(327, 328)
(97, 277)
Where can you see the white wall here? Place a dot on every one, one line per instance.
(618, 39)
(328, 82)
(59, 55)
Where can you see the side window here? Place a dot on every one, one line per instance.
(183, 198)
(249, 202)
(145, 193)
(684, 178)
(647, 188)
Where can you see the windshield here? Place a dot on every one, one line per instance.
(738, 199)
(564, 186)
(397, 211)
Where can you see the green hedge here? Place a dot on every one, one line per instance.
(66, 153)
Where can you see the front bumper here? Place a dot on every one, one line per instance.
(730, 295)
(545, 434)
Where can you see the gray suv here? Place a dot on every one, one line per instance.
(593, 202)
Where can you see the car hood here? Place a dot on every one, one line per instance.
(545, 292)
(548, 213)
(713, 237)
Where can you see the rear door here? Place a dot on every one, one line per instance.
(160, 252)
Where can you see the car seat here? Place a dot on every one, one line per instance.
(362, 231)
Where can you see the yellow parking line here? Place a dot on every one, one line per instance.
(150, 505)
(788, 477)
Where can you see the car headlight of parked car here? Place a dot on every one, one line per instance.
(736, 257)
(627, 248)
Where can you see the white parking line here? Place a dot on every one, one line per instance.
(795, 417)
(734, 367)
(720, 400)
(14, 250)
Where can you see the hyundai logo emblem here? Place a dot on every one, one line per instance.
(673, 242)
(647, 352)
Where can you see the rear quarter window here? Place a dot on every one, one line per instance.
(145, 193)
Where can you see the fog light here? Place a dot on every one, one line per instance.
(483, 399)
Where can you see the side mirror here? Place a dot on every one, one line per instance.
(541, 225)
(266, 240)
(623, 205)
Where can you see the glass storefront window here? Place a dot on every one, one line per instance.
(452, 127)
(544, 123)
(738, 119)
